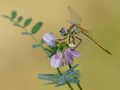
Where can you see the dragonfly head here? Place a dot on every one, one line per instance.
(63, 32)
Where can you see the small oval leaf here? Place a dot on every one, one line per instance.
(36, 27)
(13, 15)
(20, 18)
(36, 46)
(27, 22)
(25, 33)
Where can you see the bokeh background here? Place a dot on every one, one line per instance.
(19, 63)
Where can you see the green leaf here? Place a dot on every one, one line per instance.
(13, 15)
(70, 76)
(36, 46)
(59, 85)
(27, 22)
(36, 27)
(60, 80)
(25, 33)
(20, 18)
(42, 41)
(49, 77)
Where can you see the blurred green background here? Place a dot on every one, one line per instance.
(19, 63)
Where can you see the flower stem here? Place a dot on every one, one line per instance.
(77, 83)
(79, 86)
(69, 85)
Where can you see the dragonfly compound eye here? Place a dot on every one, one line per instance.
(63, 32)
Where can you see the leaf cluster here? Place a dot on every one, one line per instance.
(16, 19)
(71, 76)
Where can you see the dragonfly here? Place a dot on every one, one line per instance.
(75, 29)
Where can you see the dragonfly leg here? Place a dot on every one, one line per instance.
(73, 39)
(62, 38)
(80, 40)
(69, 39)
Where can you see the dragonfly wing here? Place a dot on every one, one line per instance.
(88, 36)
(75, 18)
(84, 39)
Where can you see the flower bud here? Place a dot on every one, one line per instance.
(50, 38)
(71, 45)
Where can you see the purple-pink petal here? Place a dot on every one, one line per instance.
(56, 60)
(49, 38)
(75, 53)
(69, 54)
(68, 59)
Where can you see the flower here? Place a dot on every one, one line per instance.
(66, 57)
(49, 38)
(69, 54)
(56, 60)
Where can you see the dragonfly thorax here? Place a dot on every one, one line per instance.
(74, 30)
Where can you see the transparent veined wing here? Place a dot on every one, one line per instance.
(75, 18)
(84, 39)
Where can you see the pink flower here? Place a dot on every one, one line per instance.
(69, 54)
(57, 59)
(49, 38)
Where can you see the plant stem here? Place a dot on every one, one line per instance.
(69, 85)
(77, 83)
(79, 86)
